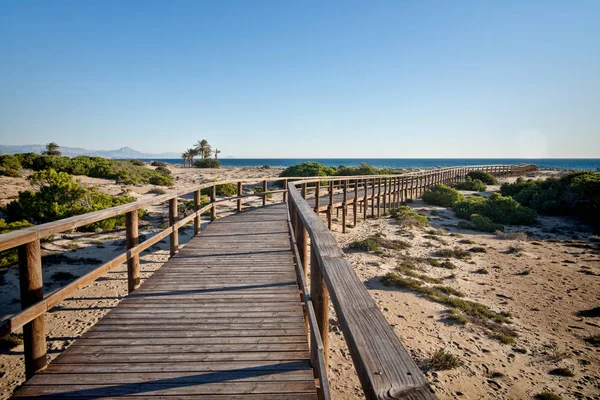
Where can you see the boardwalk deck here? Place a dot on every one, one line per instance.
(221, 319)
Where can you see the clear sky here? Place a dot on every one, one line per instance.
(289, 78)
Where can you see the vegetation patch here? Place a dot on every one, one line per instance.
(577, 193)
(11, 341)
(474, 185)
(482, 271)
(453, 253)
(483, 176)
(10, 257)
(407, 268)
(61, 197)
(480, 223)
(436, 238)
(478, 250)
(408, 218)
(442, 195)
(434, 262)
(442, 360)
(466, 241)
(499, 209)
(455, 316)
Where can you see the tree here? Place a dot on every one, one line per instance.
(52, 149)
(204, 149)
(217, 151)
(193, 153)
(186, 156)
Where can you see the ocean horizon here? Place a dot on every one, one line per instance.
(562, 163)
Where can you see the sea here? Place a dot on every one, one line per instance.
(544, 163)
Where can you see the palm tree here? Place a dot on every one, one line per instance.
(52, 149)
(204, 149)
(185, 155)
(193, 153)
(217, 151)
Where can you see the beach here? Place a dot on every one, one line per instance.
(562, 281)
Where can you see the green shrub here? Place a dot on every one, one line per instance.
(207, 163)
(9, 166)
(481, 223)
(158, 164)
(499, 209)
(11, 341)
(442, 195)
(138, 163)
(61, 197)
(225, 189)
(163, 170)
(442, 360)
(577, 193)
(364, 169)
(309, 168)
(483, 176)
(471, 184)
(369, 244)
(408, 218)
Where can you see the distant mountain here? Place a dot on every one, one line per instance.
(123, 152)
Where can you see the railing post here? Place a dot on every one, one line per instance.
(330, 206)
(239, 192)
(385, 194)
(320, 299)
(344, 206)
(317, 197)
(172, 221)
(133, 263)
(264, 200)
(197, 220)
(285, 187)
(378, 197)
(366, 198)
(303, 193)
(213, 196)
(355, 204)
(32, 291)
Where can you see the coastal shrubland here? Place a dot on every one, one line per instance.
(125, 172)
(60, 196)
(496, 209)
(483, 176)
(577, 193)
(9, 166)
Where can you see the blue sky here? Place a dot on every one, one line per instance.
(305, 79)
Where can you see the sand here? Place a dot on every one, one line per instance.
(562, 281)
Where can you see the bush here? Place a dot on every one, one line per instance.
(138, 163)
(481, 223)
(471, 184)
(158, 164)
(225, 189)
(408, 218)
(364, 169)
(497, 208)
(163, 170)
(442, 195)
(483, 176)
(61, 197)
(577, 193)
(207, 163)
(309, 168)
(9, 166)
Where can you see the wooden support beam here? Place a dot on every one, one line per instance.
(378, 197)
(239, 192)
(32, 291)
(355, 204)
(264, 198)
(172, 219)
(320, 299)
(330, 206)
(317, 197)
(344, 206)
(213, 196)
(285, 187)
(133, 262)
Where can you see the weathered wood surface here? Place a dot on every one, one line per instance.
(221, 319)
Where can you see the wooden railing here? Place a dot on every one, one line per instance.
(35, 304)
(330, 272)
(384, 367)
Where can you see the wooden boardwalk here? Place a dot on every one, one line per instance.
(221, 319)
